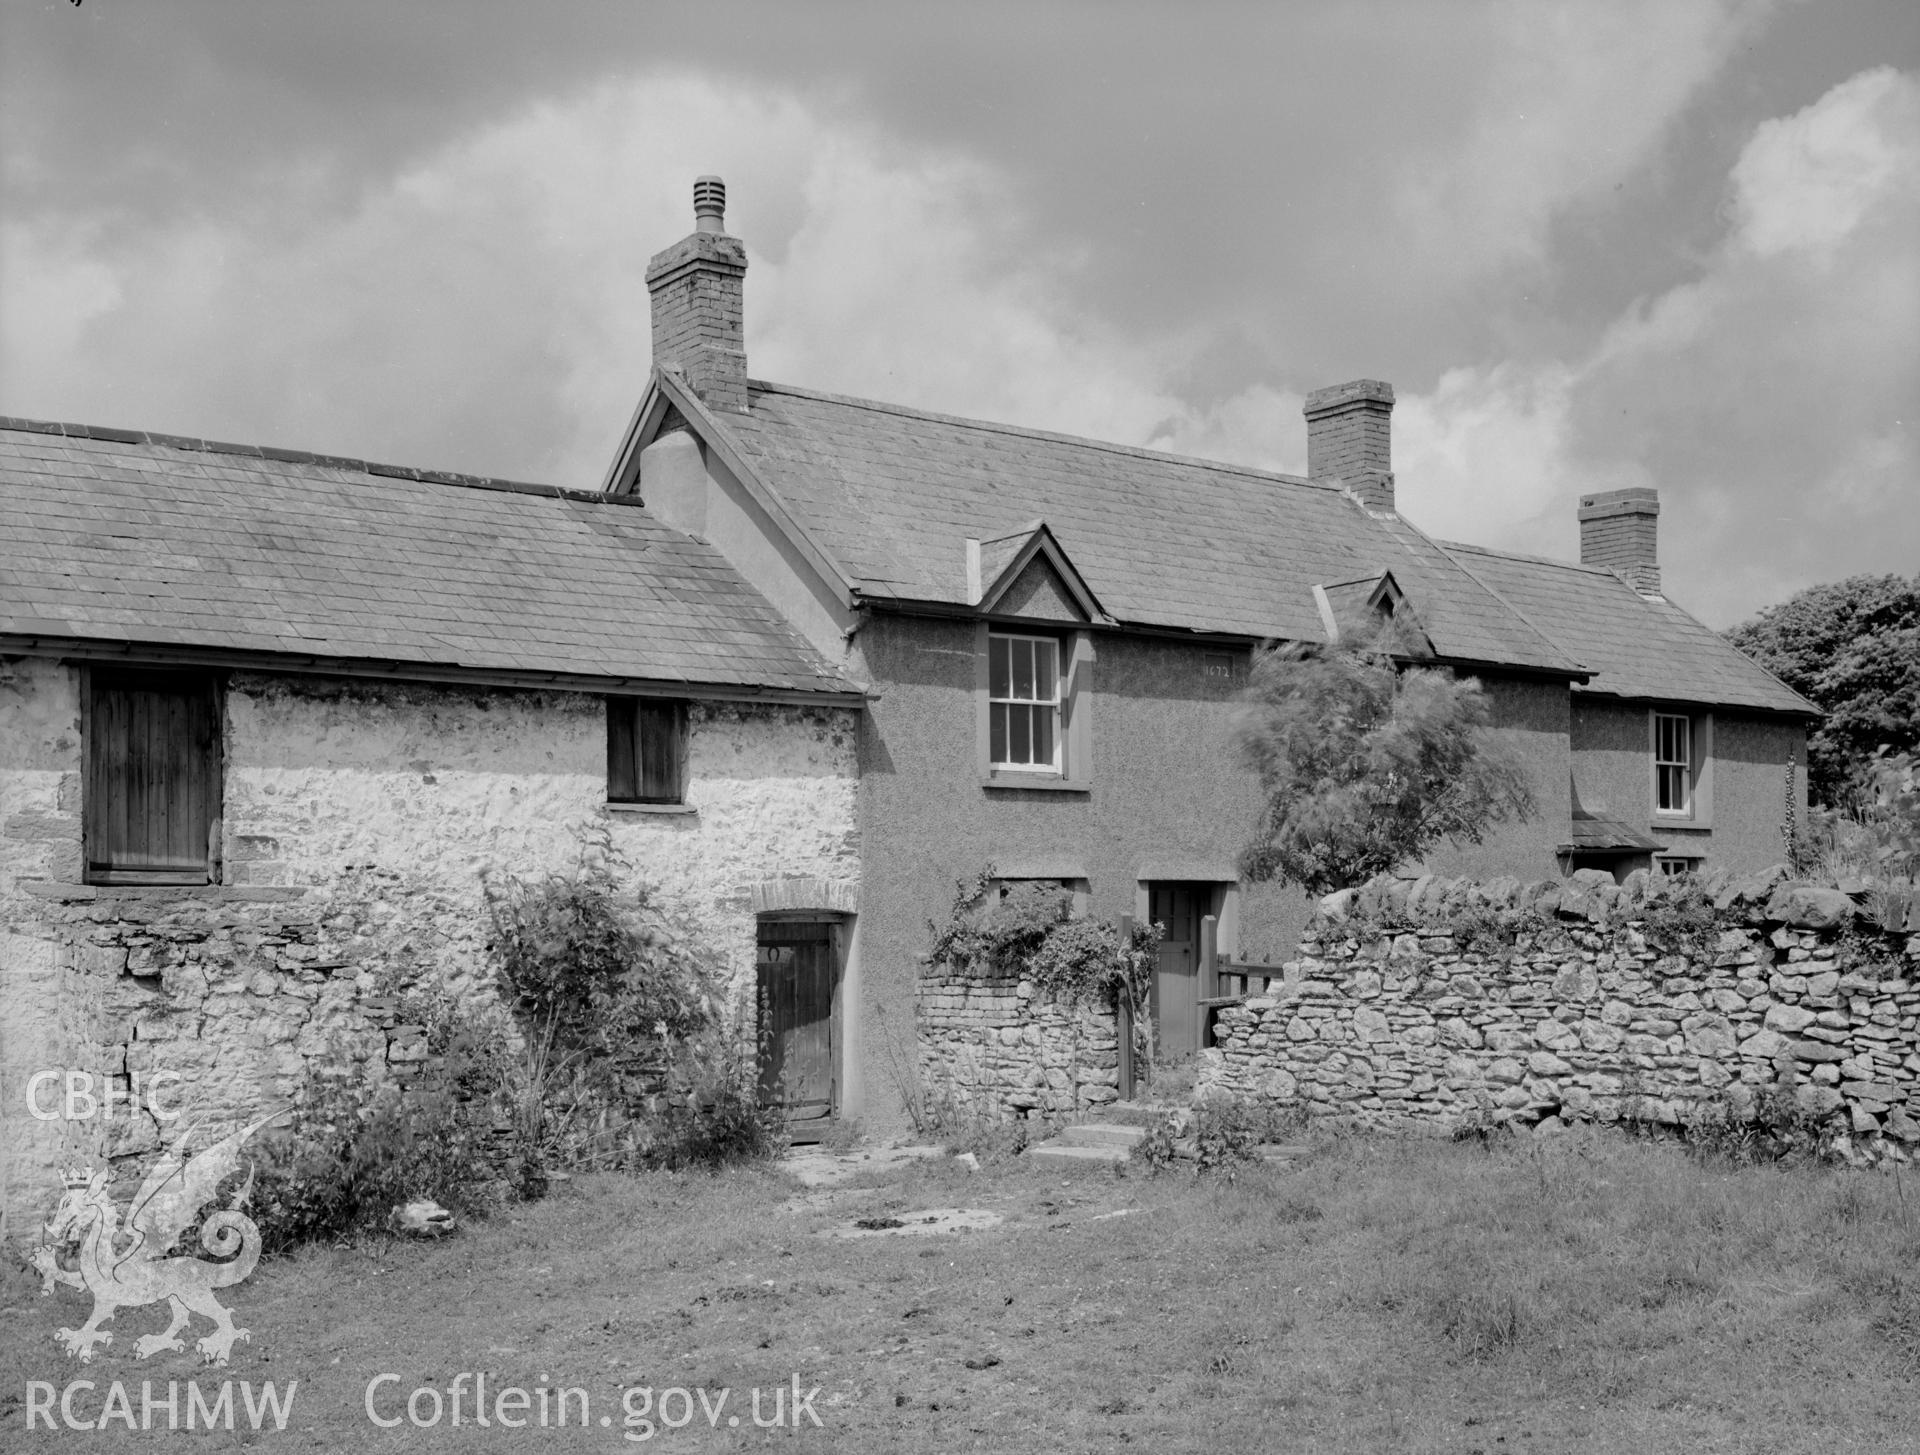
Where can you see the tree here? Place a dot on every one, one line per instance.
(1365, 767)
(1853, 648)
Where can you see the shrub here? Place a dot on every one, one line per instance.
(1002, 933)
(1680, 920)
(355, 1147)
(1216, 1132)
(631, 1058)
(1030, 930)
(1772, 1127)
(1083, 961)
(1874, 836)
(593, 972)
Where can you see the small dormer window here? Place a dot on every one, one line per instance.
(1023, 692)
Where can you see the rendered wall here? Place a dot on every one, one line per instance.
(1530, 723)
(358, 821)
(1168, 799)
(1613, 774)
(1164, 795)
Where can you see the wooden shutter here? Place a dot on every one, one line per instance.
(622, 780)
(660, 736)
(153, 777)
(646, 750)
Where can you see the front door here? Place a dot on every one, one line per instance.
(1177, 909)
(799, 964)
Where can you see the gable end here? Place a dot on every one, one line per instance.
(1039, 594)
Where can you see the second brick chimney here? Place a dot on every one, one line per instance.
(696, 291)
(1619, 529)
(1350, 439)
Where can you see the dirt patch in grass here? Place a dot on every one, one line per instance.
(1584, 1294)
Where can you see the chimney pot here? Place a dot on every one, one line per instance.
(1350, 439)
(698, 316)
(709, 205)
(1619, 529)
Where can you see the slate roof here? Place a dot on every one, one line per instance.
(1596, 833)
(891, 494)
(1635, 647)
(124, 537)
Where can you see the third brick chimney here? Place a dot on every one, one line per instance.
(696, 291)
(1350, 439)
(1619, 529)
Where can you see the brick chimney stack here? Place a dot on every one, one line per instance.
(1620, 529)
(696, 291)
(1350, 439)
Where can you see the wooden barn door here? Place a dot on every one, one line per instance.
(799, 976)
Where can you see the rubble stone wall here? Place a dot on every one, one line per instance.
(358, 820)
(994, 1047)
(1433, 1002)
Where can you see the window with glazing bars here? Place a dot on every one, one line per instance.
(1672, 764)
(1023, 682)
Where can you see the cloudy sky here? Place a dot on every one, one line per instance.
(1591, 244)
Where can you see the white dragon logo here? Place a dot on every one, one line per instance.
(142, 1273)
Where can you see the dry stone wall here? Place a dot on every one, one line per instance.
(358, 821)
(994, 1046)
(1437, 1002)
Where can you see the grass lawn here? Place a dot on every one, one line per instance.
(1583, 1294)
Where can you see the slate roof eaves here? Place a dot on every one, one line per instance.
(176, 546)
(1595, 614)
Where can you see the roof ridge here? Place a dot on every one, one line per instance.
(1028, 432)
(306, 457)
(1525, 556)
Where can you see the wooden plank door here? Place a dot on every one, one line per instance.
(799, 970)
(1176, 974)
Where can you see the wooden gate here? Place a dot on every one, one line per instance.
(799, 978)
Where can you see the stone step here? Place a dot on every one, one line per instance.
(1138, 1113)
(1066, 1155)
(1102, 1134)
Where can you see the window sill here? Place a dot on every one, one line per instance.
(1045, 783)
(668, 808)
(138, 879)
(67, 892)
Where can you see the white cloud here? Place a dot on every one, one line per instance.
(486, 309)
(1771, 399)
(1808, 181)
(1575, 99)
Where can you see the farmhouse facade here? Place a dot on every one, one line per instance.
(1052, 632)
(269, 721)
